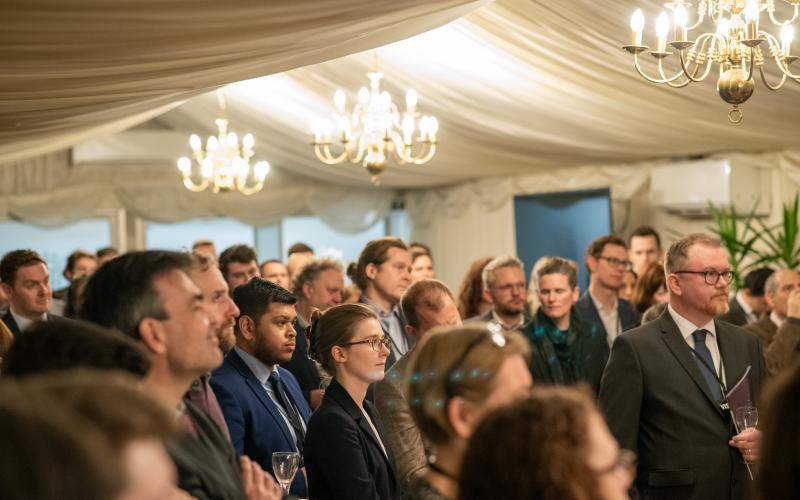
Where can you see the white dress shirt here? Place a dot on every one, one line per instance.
(748, 311)
(22, 322)
(262, 373)
(776, 319)
(687, 328)
(610, 319)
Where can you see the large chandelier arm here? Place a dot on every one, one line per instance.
(325, 155)
(698, 59)
(663, 79)
(795, 14)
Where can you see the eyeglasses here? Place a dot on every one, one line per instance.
(374, 342)
(453, 375)
(626, 461)
(613, 261)
(509, 287)
(711, 276)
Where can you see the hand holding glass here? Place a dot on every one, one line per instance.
(284, 466)
(746, 417)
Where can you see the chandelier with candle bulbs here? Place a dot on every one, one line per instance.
(223, 165)
(375, 130)
(739, 46)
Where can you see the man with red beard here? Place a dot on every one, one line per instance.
(262, 402)
(664, 388)
(223, 313)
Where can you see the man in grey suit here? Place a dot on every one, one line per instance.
(663, 387)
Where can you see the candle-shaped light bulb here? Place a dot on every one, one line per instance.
(787, 35)
(212, 143)
(751, 11)
(434, 126)
(184, 165)
(260, 170)
(363, 96)
(637, 25)
(248, 141)
(751, 16)
(724, 28)
(681, 18)
(662, 28)
(233, 140)
(411, 100)
(339, 100)
(195, 142)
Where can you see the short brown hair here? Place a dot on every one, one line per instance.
(202, 243)
(596, 247)
(644, 232)
(647, 285)
(16, 259)
(424, 294)
(679, 251)
(299, 247)
(334, 327)
(533, 448)
(77, 255)
(311, 271)
(436, 353)
(471, 289)
(242, 254)
(555, 265)
(375, 252)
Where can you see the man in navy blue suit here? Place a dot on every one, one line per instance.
(262, 402)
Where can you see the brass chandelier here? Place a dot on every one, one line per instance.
(223, 165)
(375, 130)
(737, 46)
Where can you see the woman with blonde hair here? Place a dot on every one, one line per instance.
(458, 375)
(347, 452)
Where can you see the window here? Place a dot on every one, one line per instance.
(224, 232)
(55, 244)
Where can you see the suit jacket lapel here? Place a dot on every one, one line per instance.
(677, 345)
(734, 360)
(261, 394)
(337, 392)
(12, 325)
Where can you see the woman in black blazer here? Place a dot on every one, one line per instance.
(347, 453)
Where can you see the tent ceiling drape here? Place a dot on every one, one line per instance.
(76, 69)
(519, 87)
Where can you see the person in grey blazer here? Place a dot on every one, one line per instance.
(663, 388)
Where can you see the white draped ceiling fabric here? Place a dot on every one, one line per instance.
(74, 69)
(531, 96)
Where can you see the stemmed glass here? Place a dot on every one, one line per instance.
(745, 417)
(284, 466)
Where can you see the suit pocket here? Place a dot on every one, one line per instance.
(670, 478)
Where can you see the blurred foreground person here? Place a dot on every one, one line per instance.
(456, 376)
(54, 455)
(777, 473)
(347, 453)
(553, 445)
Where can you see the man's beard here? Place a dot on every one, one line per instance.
(508, 310)
(715, 307)
(227, 339)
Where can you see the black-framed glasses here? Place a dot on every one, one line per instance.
(626, 460)
(613, 261)
(711, 276)
(454, 374)
(374, 342)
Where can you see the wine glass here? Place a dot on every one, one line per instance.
(746, 417)
(284, 466)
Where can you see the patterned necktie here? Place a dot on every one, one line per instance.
(706, 369)
(291, 412)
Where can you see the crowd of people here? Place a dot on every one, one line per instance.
(174, 375)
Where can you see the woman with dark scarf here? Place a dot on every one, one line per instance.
(566, 350)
